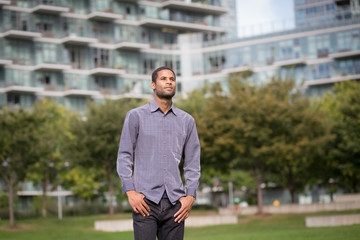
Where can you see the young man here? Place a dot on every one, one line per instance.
(159, 135)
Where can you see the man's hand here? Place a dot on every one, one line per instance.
(184, 211)
(137, 202)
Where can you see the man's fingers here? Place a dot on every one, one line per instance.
(146, 206)
(181, 215)
(143, 210)
(179, 212)
(135, 210)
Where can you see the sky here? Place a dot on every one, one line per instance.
(261, 16)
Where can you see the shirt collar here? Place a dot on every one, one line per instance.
(154, 107)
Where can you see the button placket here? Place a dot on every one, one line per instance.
(163, 148)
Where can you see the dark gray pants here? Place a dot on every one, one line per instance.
(160, 223)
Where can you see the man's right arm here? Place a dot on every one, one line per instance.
(126, 150)
(125, 161)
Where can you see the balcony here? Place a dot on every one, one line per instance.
(51, 67)
(104, 16)
(73, 39)
(52, 91)
(131, 46)
(15, 87)
(332, 80)
(4, 3)
(106, 71)
(345, 54)
(194, 7)
(19, 34)
(194, 27)
(290, 62)
(4, 62)
(243, 68)
(48, 9)
(79, 92)
(130, 1)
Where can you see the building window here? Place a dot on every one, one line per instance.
(100, 57)
(13, 99)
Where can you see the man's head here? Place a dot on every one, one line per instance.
(164, 82)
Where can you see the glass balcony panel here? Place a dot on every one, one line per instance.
(50, 81)
(19, 51)
(207, 7)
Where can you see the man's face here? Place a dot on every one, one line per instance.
(165, 85)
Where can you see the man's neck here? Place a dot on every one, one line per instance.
(163, 103)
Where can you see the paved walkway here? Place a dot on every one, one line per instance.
(335, 220)
(195, 221)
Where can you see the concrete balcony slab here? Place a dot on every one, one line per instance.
(194, 7)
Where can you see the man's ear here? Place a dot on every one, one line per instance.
(153, 85)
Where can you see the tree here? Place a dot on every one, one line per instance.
(266, 129)
(96, 140)
(51, 134)
(343, 108)
(301, 145)
(18, 131)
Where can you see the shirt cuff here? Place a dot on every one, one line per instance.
(127, 186)
(191, 192)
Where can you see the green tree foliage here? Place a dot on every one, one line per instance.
(94, 146)
(52, 132)
(83, 181)
(343, 108)
(18, 135)
(269, 130)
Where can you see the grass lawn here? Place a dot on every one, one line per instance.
(269, 227)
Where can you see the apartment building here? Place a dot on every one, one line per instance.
(72, 51)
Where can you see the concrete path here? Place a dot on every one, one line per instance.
(336, 220)
(195, 221)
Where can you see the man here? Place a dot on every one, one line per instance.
(159, 135)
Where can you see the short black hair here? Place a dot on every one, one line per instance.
(155, 72)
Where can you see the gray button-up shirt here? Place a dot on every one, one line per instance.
(159, 141)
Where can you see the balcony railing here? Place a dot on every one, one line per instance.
(34, 3)
(4, 3)
(195, 6)
(184, 26)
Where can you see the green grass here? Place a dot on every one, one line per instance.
(269, 227)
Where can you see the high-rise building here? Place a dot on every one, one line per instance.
(72, 51)
(315, 12)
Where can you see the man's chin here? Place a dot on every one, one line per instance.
(166, 96)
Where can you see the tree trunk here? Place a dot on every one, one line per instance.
(354, 187)
(44, 188)
(259, 192)
(291, 185)
(292, 192)
(111, 189)
(11, 199)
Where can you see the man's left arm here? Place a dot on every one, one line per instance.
(191, 172)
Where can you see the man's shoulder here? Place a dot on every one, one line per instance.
(139, 110)
(183, 114)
